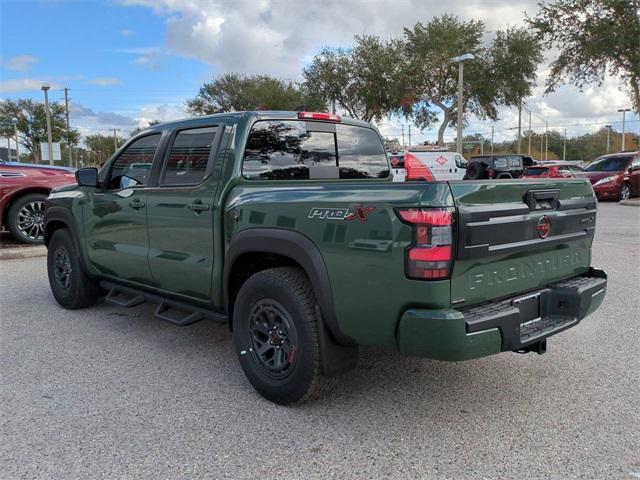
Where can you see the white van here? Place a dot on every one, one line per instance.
(443, 165)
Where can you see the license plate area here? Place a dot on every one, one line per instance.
(529, 307)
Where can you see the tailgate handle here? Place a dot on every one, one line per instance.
(542, 199)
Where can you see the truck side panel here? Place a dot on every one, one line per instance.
(363, 249)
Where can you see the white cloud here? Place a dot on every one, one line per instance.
(162, 113)
(24, 85)
(125, 32)
(105, 81)
(21, 63)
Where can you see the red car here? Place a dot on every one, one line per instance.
(23, 190)
(615, 176)
(551, 170)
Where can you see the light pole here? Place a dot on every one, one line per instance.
(15, 127)
(45, 88)
(608, 127)
(492, 140)
(624, 112)
(460, 61)
(564, 147)
(546, 140)
(519, 125)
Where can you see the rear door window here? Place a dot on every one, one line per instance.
(189, 156)
(294, 150)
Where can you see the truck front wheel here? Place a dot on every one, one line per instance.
(69, 283)
(276, 334)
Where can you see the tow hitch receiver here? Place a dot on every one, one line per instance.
(537, 347)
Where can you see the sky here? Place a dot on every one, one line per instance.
(127, 62)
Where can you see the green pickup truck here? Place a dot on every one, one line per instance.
(289, 227)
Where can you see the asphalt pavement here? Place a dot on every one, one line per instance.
(109, 392)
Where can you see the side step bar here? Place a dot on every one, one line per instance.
(174, 311)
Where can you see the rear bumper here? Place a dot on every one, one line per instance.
(505, 325)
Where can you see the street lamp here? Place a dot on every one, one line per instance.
(608, 127)
(624, 111)
(45, 88)
(15, 128)
(460, 61)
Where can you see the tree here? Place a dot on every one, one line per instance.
(501, 74)
(102, 146)
(233, 92)
(596, 39)
(32, 124)
(366, 81)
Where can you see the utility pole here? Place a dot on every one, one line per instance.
(530, 133)
(460, 61)
(492, 140)
(608, 127)
(45, 88)
(66, 112)
(115, 139)
(564, 148)
(546, 140)
(624, 111)
(15, 127)
(409, 126)
(403, 144)
(519, 125)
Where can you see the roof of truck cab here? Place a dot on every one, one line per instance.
(258, 115)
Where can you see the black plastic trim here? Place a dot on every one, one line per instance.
(558, 307)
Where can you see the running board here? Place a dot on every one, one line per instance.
(122, 299)
(173, 311)
(178, 316)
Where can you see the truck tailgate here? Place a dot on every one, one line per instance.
(519, 235)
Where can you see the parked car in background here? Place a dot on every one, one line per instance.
(615, 176)
(23, 190)
(551, 170)
(483, 167)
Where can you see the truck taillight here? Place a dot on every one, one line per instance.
(430, 255)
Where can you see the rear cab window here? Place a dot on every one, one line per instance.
(300, 150)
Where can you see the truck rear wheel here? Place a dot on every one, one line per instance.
(69, 283)
(276, 334)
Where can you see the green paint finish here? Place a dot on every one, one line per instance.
(365, 259)
(169, 248)
(498, 274)
(441, 335)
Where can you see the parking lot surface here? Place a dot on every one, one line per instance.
(109, 392)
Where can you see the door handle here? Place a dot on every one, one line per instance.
(198, 206)
(136, 204)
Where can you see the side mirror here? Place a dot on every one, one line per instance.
(87, 177)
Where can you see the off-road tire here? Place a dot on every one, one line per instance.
(476, 171)
(289, 289)
(70, 285)
(13, 215)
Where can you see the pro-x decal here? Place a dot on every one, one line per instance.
(359, 213)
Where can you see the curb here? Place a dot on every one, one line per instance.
(632, 203)
(22, 252)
